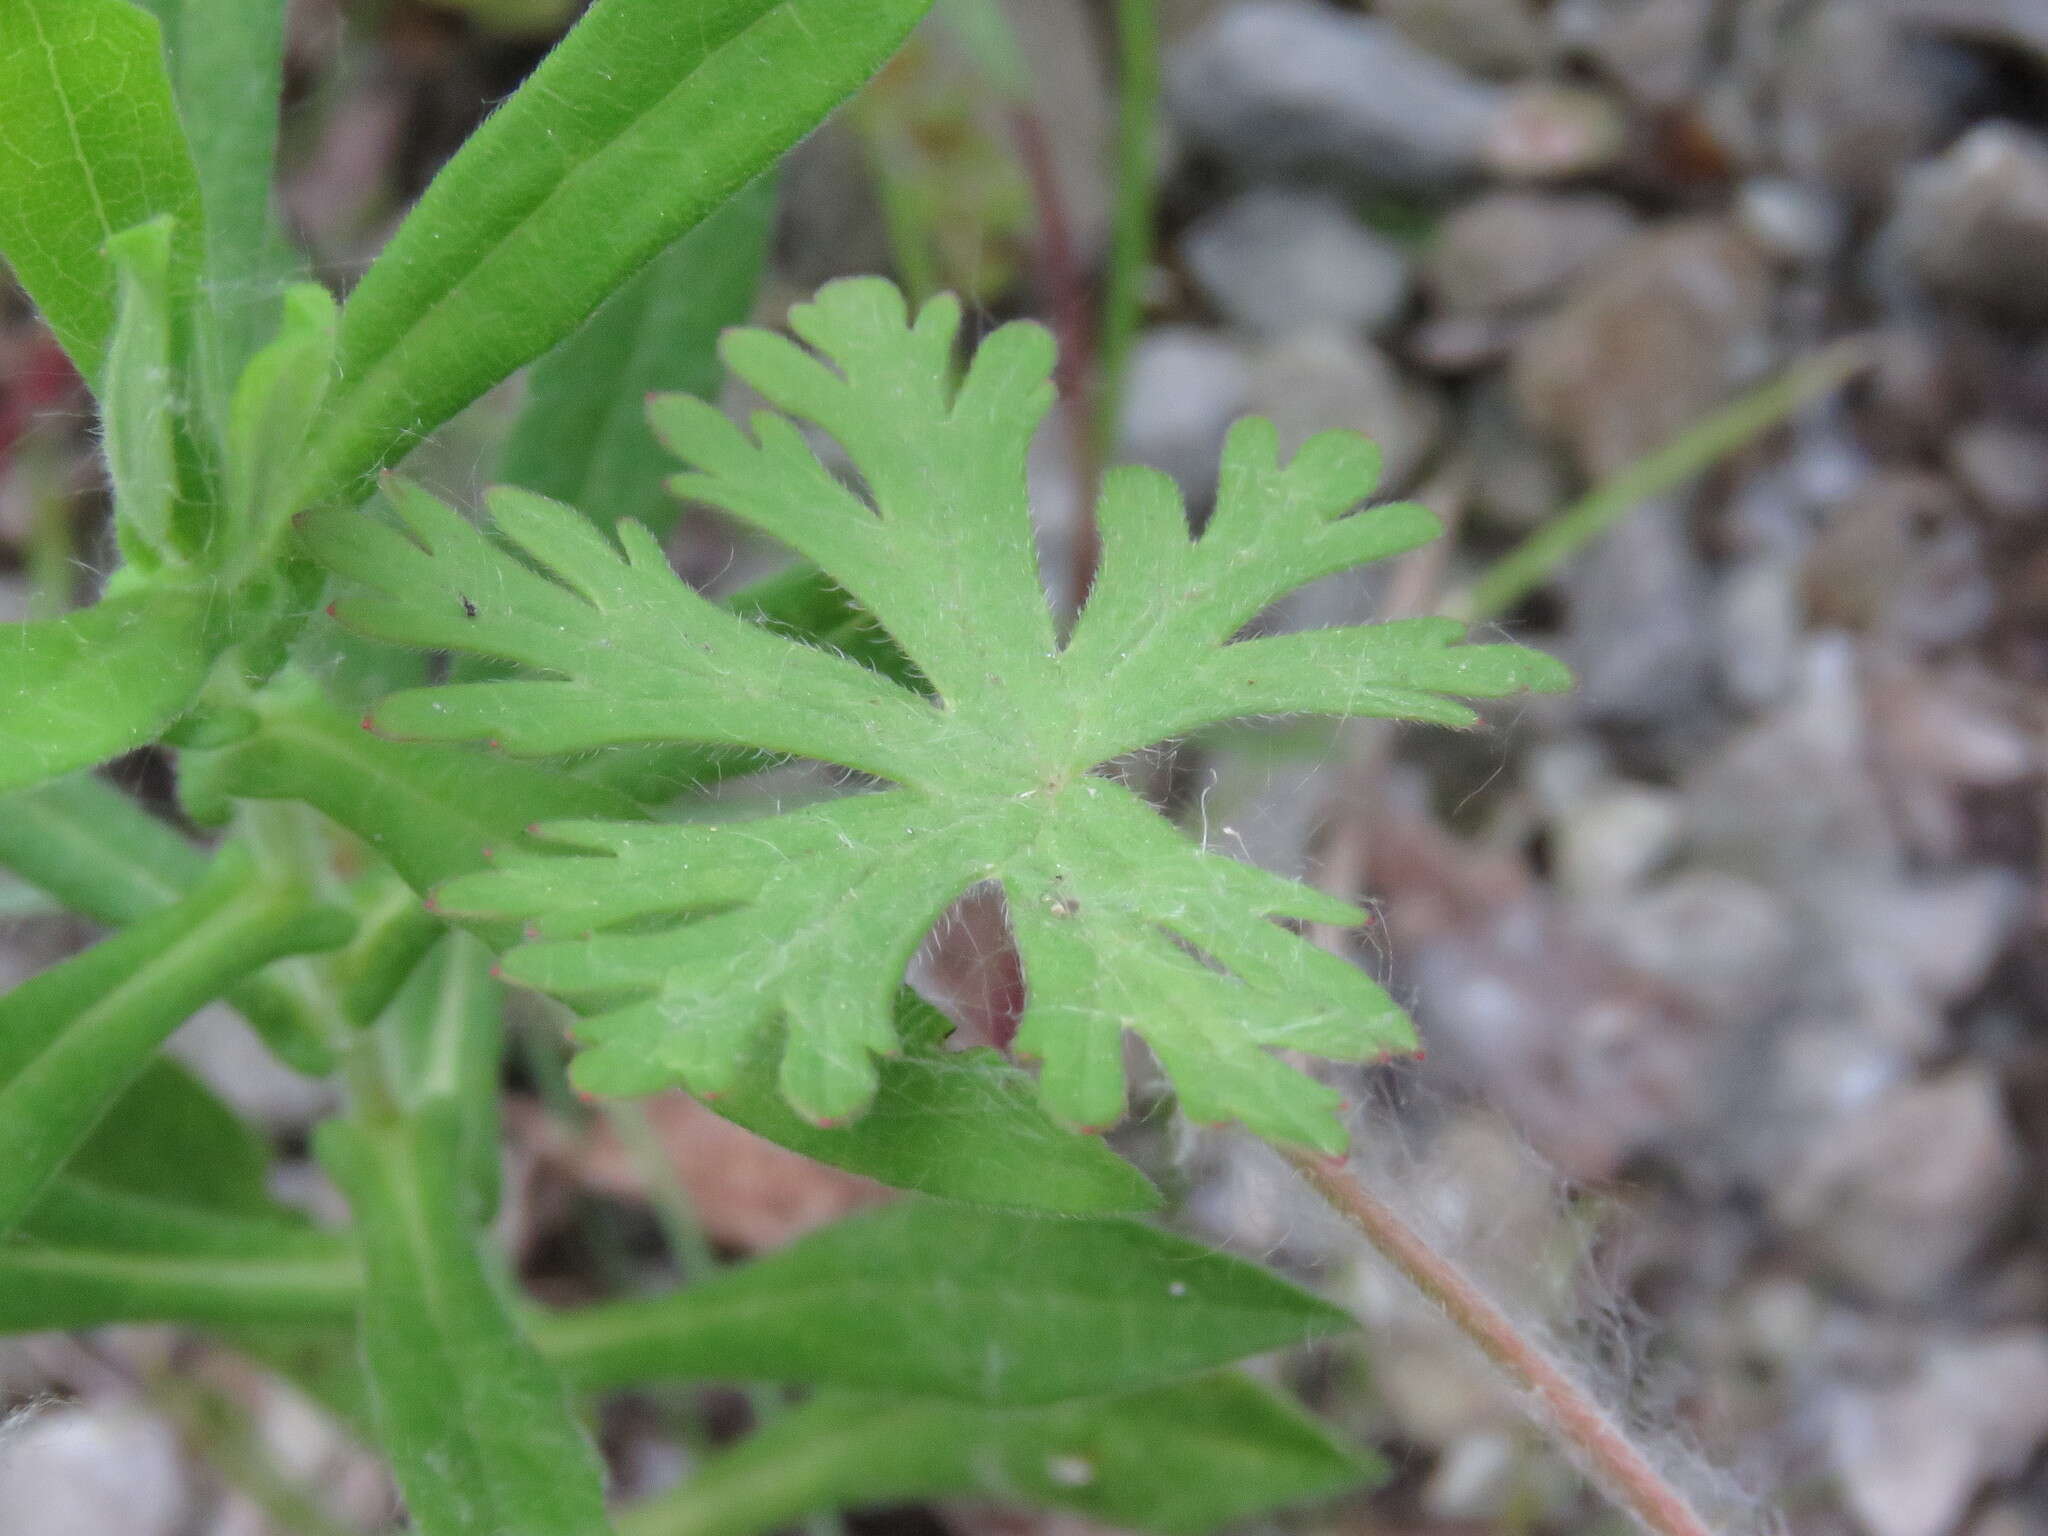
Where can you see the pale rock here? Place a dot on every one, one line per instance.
(1653, 338)
(1512, 251)
(1900, 558)
(1615, 838)
(1973, 224)
(89, 1472)
(1759, 619)
(1725, 944)
(1499, 39)
(1321, 382)
(1185, 387)
(1278, 262)
(1895, 1198)
(1913, 1454)
(1287, 87)
(2004, 467)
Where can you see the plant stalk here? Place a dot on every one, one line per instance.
(1601, 1446)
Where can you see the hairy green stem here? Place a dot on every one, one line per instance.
(1565, 1407)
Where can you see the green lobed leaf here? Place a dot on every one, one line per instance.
(700, 938)
(646, 118)
(79, 690)
(992, 1307)
(93, 146)
(74, 1037)
(582, 436)
(478, 1430)
(1182, 1460)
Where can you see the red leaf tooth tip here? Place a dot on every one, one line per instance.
(1383, 1058)
(370, 723)
(1092, 1130)
(533, 829)
(829, 1122)
(1421, 1054)
(497, 971)
(495, 745)
(430, 902)
(487, 852)
(329, 611)
(529, 932)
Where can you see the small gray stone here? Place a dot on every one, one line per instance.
(1500, 39)
(2004, 466)
(1973, 224)
(1278, 262)
(1912, 1454)
(1283, 87)
(1727, 945)
(1615, 838)
(89, 1471)
(1186, 386)
(1513, 250)
(1652, 340)
(1895, 1199)
(1322, 382)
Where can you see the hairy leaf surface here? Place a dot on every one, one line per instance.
(699, 938)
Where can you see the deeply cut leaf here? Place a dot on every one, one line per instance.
(701, 937)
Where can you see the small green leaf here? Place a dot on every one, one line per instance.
(93, 146)
(953, 1301)
(226, 60)
(168, 1137)
(102, 855)
(1181, 1460)
(444, 1038)
(75, 1036)
(647, 117)
(582, 437)
(700, 938)
(276, 407)
(91, 1255)
(79, 690)
(479, 1431)
(961, 1124)
(138, 399)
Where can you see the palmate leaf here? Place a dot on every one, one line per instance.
(690, 941)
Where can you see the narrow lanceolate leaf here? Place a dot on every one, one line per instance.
(91, 1256)
(951, 1301)
(697, 939)
(963, 1124)
(75, 1036)
(582, 437)
(477, 1427)
(275, 407)
(93, 146)
(1181, 1460)
(105, 857)
(138, 398)
(79, 690)
(647, 117)
(226, 62)
(444, 1037)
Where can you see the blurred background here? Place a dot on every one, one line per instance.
(1732, 964)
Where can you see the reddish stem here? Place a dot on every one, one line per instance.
(1615, 1461)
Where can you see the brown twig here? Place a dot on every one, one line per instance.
(1613, 1460)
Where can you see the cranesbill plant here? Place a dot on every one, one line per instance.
(1011, 1330)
